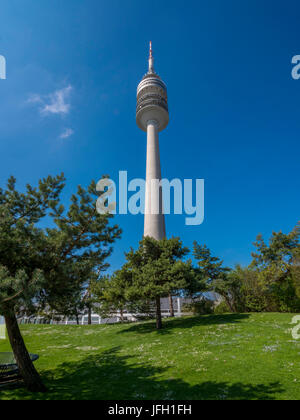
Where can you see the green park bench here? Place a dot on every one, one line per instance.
(9, 372)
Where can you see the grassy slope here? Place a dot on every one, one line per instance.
(214, 357)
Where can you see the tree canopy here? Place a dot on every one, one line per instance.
(47, 267)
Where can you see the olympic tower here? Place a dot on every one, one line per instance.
(152, 116)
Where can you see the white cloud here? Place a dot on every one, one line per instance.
(34, 99)
(54, 103)
(58, 102)
(68, 132)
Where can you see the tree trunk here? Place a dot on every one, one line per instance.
(172, 314)
(122, 315)
(89, 316)
(158, 314)
(229, 304)
(27, 370)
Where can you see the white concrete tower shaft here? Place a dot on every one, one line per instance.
(154, 218)
(152, 116)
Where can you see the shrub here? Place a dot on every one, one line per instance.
(201, 307)
(221, 308)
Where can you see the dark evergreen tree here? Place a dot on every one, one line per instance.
(46, 268)
(110, 293)
(157, 271)
(210, 270)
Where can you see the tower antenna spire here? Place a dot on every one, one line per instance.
(151, 59)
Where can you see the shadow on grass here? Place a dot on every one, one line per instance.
(181, 323)
(110, 376)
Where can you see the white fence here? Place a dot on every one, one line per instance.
(97, 319)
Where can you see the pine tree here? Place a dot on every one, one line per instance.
(157, 271)
(110, 293)
(211, 272)
(46, 267)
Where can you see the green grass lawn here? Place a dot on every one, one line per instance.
(211, 357)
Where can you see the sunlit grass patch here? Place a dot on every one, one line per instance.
(246, 356)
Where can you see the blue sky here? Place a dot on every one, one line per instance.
(68, 105)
